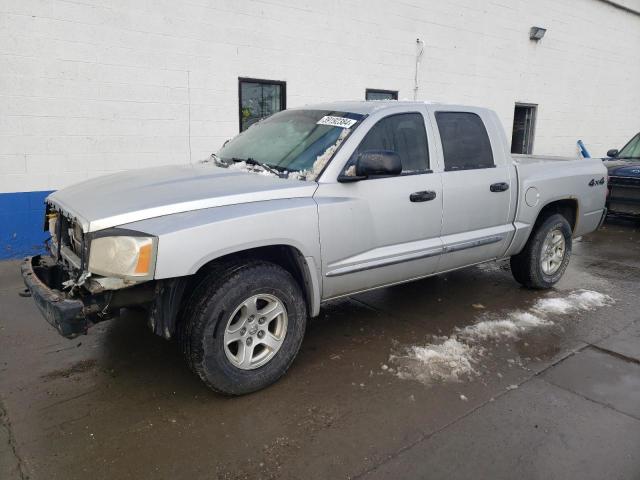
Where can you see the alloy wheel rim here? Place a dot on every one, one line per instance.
(553, 251)
(255, 331)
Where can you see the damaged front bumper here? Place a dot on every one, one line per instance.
(66, 315)
(73, 315)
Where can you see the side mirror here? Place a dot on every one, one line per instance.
(612, 153)
(374, 163)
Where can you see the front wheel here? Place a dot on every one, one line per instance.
(546, 255)
(244, 327)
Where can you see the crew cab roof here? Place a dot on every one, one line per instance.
(366, 107)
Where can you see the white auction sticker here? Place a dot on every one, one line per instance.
(336, 121)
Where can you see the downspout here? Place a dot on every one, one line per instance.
(420, 45)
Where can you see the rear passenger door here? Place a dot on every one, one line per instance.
(476, 184)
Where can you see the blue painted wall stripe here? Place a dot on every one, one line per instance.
(21, 219)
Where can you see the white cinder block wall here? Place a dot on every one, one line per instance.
(89, 87)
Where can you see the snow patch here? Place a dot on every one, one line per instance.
(453, 358)
(244, 167)
(581, 300)
(449, 361)
(516, 322)
(321, 160)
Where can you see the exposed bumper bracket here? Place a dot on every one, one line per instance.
(66, 315)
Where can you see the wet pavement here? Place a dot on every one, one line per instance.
(558, 400)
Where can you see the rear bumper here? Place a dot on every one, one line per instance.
(66, 315)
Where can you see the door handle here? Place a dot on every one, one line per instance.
(424, 196)
(499, 187)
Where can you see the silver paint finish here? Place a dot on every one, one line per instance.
(532, 197)
(134, 195)
(348, 236)
(384, 262)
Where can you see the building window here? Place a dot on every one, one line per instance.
(465, 142)
(259, 99)
(524, 124)
(374, 94)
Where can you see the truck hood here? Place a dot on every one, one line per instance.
(126, 197)
(624, 168)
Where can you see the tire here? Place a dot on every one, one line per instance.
(222, 305)
(531, 266)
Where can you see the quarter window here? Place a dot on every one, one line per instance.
(259, 99)
(465, 142)
(404, 134)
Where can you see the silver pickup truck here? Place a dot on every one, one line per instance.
(232, 255)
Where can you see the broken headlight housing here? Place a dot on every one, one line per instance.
(131, 257)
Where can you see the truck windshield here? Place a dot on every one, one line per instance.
(632, 149)
(292, 143)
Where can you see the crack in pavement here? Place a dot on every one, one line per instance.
(5, 424)
(427, 436)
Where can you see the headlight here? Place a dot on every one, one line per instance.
(123, 256)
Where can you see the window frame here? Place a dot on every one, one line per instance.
(394, 93)
(283, 95)
(444, 160)
(532, 130)
(402, 174)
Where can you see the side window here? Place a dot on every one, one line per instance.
(465, 142)
(404, 134)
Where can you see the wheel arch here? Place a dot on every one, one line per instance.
(567, 207)
(302, 268)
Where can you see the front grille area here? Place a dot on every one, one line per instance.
(76, 237)
(624, 195)
(67, 237)
(625, 181)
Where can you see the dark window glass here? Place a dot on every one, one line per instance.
(524, 121)
(631, 149)
(373, 94)
(465, 142)
(259, 99)
(403, 134)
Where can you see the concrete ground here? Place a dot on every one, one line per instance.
(558, 401)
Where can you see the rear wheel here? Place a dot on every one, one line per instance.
(243, 327)
(546, 255)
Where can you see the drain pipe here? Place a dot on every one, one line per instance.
(420, 45)
(583, 150)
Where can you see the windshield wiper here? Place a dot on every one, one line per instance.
(264, 166)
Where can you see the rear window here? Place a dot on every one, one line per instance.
(465, 142)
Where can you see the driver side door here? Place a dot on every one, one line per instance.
(383, 230)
